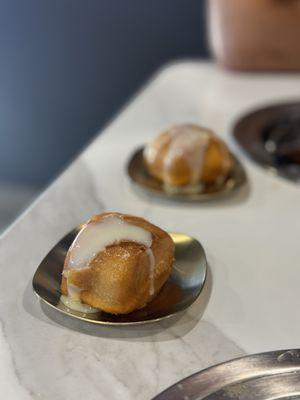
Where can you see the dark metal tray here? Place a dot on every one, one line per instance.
(272, 375)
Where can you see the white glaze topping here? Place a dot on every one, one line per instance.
(186, 189)
(77, 305)
(73, 300)
(96, 236)
(74, 292)
(189, 142)
(151, 151)
(151, 270)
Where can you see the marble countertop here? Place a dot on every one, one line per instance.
(252, 242)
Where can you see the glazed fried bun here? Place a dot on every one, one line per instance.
(188, 155)
(117, 263)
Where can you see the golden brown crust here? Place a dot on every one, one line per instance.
(216, 162)
(117, 280)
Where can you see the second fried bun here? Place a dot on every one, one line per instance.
(188, 154)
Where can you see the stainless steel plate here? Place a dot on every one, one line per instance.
(179, 292)
(271, 137)
(272, 375)
(145, 182)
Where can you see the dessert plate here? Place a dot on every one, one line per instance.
(264, 376)
(271, 137)
(179, 292)
(145, 182)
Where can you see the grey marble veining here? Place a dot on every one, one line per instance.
(49, 357)
(44, 355)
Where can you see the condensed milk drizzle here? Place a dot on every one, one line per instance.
(94, 237)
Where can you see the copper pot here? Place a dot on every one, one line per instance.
(255, 34)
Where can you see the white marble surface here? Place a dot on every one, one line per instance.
(252, 241)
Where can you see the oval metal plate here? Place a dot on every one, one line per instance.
(272, 375)
(145, 182)
(180, 291)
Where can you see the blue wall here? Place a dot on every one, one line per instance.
(67, 66)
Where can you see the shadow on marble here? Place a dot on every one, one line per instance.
(168, 329)
(231, 200)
